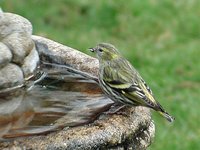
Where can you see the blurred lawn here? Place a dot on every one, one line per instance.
(161, 39)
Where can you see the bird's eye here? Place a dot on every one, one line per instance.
(101, 50)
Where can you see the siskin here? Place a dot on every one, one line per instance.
(121, 82)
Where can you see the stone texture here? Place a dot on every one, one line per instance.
(16, 46)
(10, 75)
(5, 55)
(58, 53)
(20, 44)
(30, 63)
(12, 23)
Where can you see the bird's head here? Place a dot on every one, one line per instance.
(105, 52)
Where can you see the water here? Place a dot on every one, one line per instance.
(56, 100)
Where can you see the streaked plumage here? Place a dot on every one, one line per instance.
(121, 82)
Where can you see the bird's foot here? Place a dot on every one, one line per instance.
(116, 109)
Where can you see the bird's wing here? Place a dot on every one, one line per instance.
(126, 80)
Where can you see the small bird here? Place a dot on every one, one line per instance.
(121, 82)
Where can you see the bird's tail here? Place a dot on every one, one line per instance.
(167, 116)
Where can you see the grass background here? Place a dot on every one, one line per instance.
(161, 39)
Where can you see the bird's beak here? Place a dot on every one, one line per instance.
(92, 49)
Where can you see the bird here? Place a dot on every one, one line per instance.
(122, 83)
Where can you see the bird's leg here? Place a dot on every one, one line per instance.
(115, 109)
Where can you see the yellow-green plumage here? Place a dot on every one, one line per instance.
(121, 82)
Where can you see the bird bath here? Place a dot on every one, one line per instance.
(50, 98)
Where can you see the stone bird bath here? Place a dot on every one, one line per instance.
(50, 98)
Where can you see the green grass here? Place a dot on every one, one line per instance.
(161, 39)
